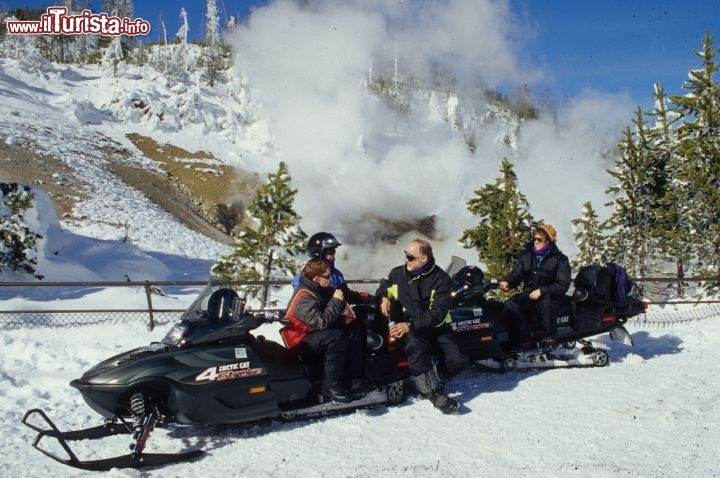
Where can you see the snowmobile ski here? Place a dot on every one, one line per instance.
(136, 460)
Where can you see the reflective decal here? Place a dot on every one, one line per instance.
(229, 371)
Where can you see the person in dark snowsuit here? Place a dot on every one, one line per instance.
(422, 289)
(544, 272)
(316, 317)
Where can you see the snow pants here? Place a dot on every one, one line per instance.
(422, 344)
(526, 315)
(341, 351)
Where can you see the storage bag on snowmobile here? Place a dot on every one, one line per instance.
(597, 281)
(608, 283)
(623, 285)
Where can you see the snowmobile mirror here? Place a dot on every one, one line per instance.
(238, 308)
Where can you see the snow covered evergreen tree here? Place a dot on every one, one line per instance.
(589, 237)
(213, 50)
(17, 241)
(267, 247)
(638, 192)
(698, 159)
(505, 222)
(670, 228)
(118, 49)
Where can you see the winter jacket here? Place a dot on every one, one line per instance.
(425, 297)
(550, 273)
(337, 281)
(311, 308)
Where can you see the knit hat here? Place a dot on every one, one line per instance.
(549, 231)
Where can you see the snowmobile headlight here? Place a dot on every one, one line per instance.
(176, 336)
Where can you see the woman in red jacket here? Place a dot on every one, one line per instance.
(316, 318)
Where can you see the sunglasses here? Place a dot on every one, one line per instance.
(330, 252)
(409, 257)
(539, 239)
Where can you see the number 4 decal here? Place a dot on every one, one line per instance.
(209, 374)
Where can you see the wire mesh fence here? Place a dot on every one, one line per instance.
(150, 316)
(667, 317)
(78, 318)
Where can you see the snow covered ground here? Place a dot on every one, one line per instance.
(653, 412)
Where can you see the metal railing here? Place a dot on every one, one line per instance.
(152, 315)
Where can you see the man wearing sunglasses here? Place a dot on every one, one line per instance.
(422, 290)
(545, 274)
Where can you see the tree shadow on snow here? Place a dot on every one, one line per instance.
(645, 346)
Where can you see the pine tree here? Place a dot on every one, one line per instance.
(267, 248)
(589, 237)
(17, 241)
(180, 64)
(670, 228)
(502, 233)
(213, 50)
(698, 159)
(119, 47)
(638, 193)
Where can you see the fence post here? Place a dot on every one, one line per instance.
(681, 277)
(150, 307)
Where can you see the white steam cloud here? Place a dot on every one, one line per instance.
(358, 162)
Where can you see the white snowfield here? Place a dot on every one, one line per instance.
(653, 412)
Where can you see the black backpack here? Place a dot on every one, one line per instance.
(606, 283)
(597, 281)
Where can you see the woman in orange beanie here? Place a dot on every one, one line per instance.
(544, 272)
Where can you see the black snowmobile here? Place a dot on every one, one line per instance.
(211, 369)
(598, 305)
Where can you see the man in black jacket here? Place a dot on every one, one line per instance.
(545, 274)
(423, 290)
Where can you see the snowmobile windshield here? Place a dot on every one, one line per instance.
(456, 263)
(216, 313)
(198, 310)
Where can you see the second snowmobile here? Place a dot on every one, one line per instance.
(597, 305)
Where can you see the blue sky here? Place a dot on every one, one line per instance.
(611, 46)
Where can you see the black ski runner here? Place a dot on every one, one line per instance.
(137, 459)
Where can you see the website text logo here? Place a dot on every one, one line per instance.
(57, 22)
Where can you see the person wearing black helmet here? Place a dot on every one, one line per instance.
(323, 245)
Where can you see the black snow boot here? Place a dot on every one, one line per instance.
(337, 393)
(443, 403)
